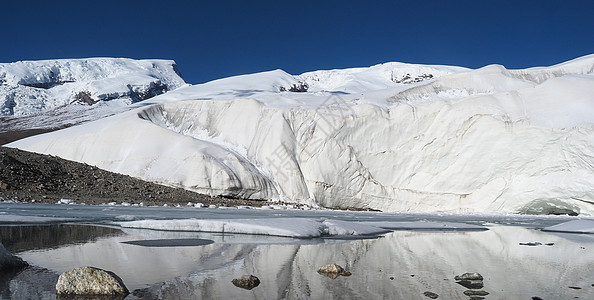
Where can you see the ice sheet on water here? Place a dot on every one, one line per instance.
(220, 238)
(425, 226)
(290, 227)
(293, 227)
(338, 227)
(575, 226)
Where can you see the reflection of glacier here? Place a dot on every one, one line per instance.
(511, 271)
(287, 267)
(461, 140)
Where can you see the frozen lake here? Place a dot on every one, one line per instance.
(390, 256)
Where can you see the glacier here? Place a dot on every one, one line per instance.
(391, 137)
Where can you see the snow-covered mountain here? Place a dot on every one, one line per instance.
(49, 94)
(395, 137)
(28, 87)
(377, 77)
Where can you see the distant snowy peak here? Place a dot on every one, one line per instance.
(353, 80)
(492, 80)
(580, 66)
(375, 77)
(241, 86)
(270, 81)
(28, 87)
(44, 73)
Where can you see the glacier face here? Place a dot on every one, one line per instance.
(394, 137)
(28, 87)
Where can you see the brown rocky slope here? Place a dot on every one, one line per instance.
(26, 176)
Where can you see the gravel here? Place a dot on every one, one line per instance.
(32, 177)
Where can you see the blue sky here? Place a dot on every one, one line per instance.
(216, 39)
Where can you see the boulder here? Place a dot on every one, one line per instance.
(469, 276)
(431, 295)
(331, 268)
(247, 282)
(9, 261)
(472, 293)
(333, 271)
(29, 283)
(90, 281)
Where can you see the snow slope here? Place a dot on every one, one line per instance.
(393, 137)
(28, 87)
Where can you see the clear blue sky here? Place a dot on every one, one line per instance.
(216, 39)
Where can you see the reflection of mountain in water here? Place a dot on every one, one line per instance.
(24, 238)
(402, 265)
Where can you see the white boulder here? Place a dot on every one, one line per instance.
(89, 281)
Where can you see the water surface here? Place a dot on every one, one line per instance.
(400, 264)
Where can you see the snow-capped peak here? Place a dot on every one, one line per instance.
(381, 76)
(28, 87)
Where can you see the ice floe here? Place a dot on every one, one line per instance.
(426, 226)
(575, 226)
(293, 227)
(290, 227)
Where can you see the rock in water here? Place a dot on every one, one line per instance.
(331, 268)
(431, 295)
(472, 293)
(89, 281)
(333, 271)
(247, 282)
(469, 276)
(531, 244)
(8, 261)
